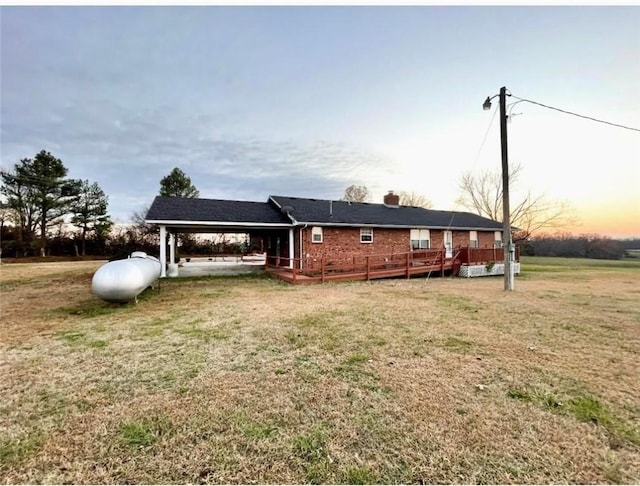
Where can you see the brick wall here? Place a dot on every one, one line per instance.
(485, 239)
(340, 243)
(462, 239)
(343, 242)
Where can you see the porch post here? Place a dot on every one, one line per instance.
(172, 248)
(163, 251)
(292, 249)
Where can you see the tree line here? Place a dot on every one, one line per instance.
(38, 196)
(581, 246)
(38, 202)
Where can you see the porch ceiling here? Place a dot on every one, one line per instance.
(217, 227)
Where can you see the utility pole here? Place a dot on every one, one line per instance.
(507, 244)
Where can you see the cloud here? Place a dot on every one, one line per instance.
(127, 150)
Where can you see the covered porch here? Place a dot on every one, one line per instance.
(275, 241)
(266, 225)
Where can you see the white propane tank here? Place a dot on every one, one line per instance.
(124, 280)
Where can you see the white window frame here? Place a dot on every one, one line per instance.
(421, 236)
(473, 239)
(448, 243)
(316, 231)
(367, 232)
(497, 239)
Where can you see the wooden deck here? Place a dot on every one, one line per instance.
(290, 276)
(370, 267)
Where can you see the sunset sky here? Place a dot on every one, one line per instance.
(304, 101)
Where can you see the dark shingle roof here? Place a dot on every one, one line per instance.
(315, 211)
(214, 210)
(343, 213)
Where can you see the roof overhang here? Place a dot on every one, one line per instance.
(208, 226)
(398, 226)
(213, 226)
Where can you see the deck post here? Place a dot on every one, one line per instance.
(292, 249)
(408, 266)
(368, 268)
(442, 263)
(293, 271)
(163, 251)
(172, 248)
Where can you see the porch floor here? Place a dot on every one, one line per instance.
(287, 274)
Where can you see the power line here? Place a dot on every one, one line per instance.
(577, 114)
(495, 111)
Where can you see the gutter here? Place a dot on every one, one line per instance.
(398, 226)
(178, 222)
(300, 237)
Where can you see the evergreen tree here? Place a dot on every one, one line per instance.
(90, 211)
(39, 192)
(177, 184)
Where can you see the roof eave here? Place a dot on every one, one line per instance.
(254, 224)
(398, 226)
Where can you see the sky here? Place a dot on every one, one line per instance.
(305, 101)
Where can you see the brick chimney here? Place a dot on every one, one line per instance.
(391, 199)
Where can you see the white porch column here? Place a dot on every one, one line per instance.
(172, 248)
(163, 251)
(292, 249)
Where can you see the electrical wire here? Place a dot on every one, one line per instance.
(486, 134)
(577, 114)
(484, 140)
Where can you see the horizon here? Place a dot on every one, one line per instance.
(251, 101)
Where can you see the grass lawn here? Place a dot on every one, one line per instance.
(250, 380)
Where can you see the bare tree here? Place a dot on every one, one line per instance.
(415, 199)
(355, 193)
(140, 226)
(482, 194)
(23, 212)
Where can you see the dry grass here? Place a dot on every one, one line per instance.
(243, 380)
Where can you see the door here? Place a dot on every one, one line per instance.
(448, 244)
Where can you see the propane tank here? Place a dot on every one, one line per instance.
(124, 280)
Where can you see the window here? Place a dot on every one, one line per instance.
(420, 239)
(473, 239)
(366, 235)
(497, 239)
(316, 234)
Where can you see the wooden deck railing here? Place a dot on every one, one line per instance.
(475, 256)
(377, 265)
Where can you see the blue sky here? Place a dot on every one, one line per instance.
(304, 101)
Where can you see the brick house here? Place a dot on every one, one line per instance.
(299, 231)
(342, 229)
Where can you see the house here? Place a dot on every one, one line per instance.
(303, 234)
